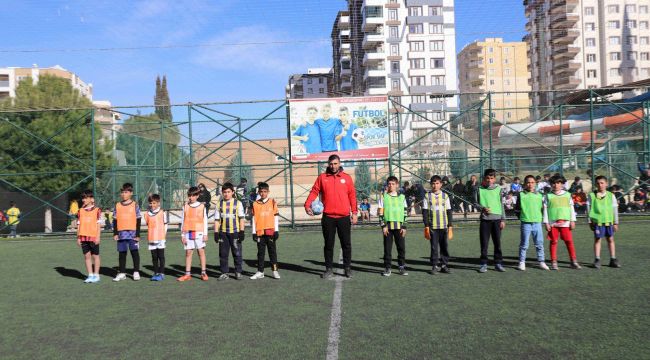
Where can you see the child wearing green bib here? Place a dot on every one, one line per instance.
(493, 218)
(392, 210)
(560, 219)
(530, 210)
(437, 216)
(603, 220)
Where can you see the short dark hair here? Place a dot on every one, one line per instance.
(516, 178)
(435, 178)
(333, 157)
(243, 180)
(262, 186)
(537, 178)
(343, 108)
(127, 187)
(393, 179)
(227, 186)
(193, 190)
(529, 177)
(576, 178)
(489, 172)
(201, 185)
(87, 194)
(11, 203)
(154, 197)
(557, 179)
(600, 177)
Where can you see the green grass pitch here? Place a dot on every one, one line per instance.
(47, 312)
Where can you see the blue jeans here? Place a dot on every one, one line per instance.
(534, 230)
(12, 230)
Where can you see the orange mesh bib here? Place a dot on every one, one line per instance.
(126, 217)
(265, 216)
(155, 226)
(193, 218)
(88, 225)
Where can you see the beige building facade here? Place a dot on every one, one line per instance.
(498, 67)
(10, 77)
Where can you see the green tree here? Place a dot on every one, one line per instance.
(363, 180)
(161, 99)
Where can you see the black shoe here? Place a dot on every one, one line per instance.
(328, 274)
(597, 264)
(614, 263)
(348, 273)
(434, 270)
(445, 270)
(238, 276)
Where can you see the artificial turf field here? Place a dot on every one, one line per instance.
(46, 311)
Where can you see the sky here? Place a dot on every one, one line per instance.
(225, 50)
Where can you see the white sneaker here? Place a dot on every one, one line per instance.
(258, 275)
(136, 276)
(543, 266)
(276, 274)
(120, 277)
(522, 266)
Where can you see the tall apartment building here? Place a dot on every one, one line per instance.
(342, 55)
(11, 76)
(580, 44)
(498, 67)
(405, 49)
(316, 83)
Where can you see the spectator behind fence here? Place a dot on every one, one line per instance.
(458, 190)
(579, 201)
(471, 192)
(516, 186)
(509, 202)
(620, 199)
(505, 187)
(577, 184)
(640, 200)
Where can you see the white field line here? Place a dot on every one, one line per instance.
(335, 318)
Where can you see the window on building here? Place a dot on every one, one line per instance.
(436, 45)
(590, 26)
(419, 99)
(437, 80)
(506, 82)
(490, 50)
(591, 58)
(506, 61)
(436, 29)
(491, 61)
(394, 50)
(644, 40)
(508, 115)
(310, 91)
(394, 67)
(393, 31)
(508, 102)
(415, 10)
(416, 45)
(491, 81)
(631, 55)
(416, 29)
(417, 63)
(437, 63)
(630, 24)
(630, 40)
(321, 80)
(394, 84)
(612, 9)
(392, 14)
(615, 56)
(645, 56)
(614, 24)
(590, 42)
(630, 8)
(645, 72)
(506, 50)
(615, 40)
(589, 10)
(643, 9)
(374, 11)
(507, 71)
(321, 91)
(418, 81)
(310, 80)
(491, 72)
(435, 10)
(591, 74)
(643, 25)
(615, 72)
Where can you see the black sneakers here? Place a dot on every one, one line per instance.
(348, 273)
(445, 269)
(597, 264)
(614, 263)
(328, 274)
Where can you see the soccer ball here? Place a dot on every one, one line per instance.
(317, 207)
(358, 134)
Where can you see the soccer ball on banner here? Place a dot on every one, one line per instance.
(317, 207)
(358, 134)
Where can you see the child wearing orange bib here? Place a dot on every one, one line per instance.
(265, 230)
(156, 235)
(126, 232)
(88, 230)
(194, 230)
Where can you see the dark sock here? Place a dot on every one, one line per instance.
(161, 261)
(135, 255)
(122, 262)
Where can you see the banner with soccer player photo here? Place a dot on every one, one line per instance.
(355, 128)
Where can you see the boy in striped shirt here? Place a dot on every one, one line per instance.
(392, 210)
(229, 223)
(437, 216)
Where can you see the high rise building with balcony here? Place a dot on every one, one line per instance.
(405, 49)
(500, 68)
(581, 44)
(316, 83)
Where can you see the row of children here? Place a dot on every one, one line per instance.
(229, 232)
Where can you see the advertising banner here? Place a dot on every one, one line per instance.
(355, 128)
